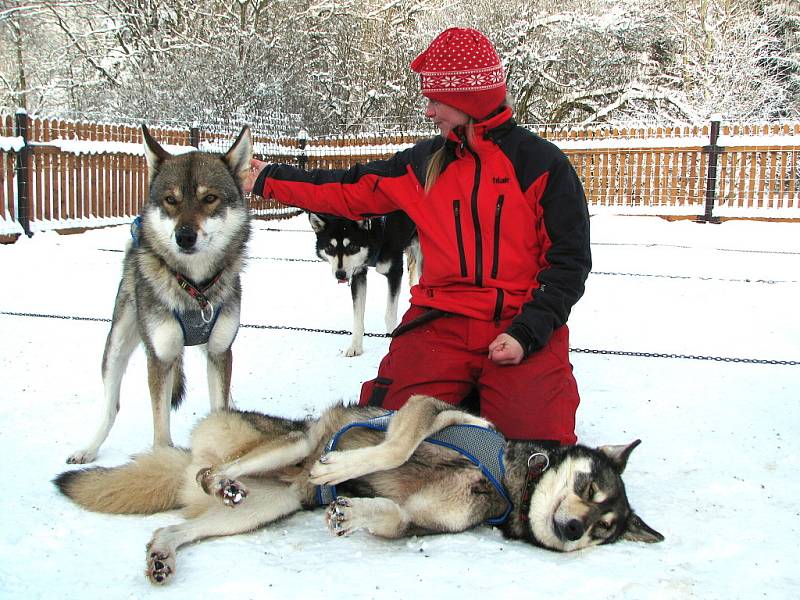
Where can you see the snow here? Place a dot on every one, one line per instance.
(716, 472)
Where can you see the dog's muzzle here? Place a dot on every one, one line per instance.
(185, 237)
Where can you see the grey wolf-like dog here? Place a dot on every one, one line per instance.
(180, 281)
(247, 469)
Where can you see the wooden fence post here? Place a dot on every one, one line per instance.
(302, 140)
(194, 136)
(713, 151)
(24, 168)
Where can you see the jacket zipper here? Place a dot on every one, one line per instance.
(496, 259)
(498, 306)
(476, 220)
(462, 257)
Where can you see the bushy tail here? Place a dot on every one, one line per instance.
(148, 484)
(178, 384)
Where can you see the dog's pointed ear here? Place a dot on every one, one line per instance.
(153, 152)
(636, 530)
(238, 156)
(317, 222)
(618, 455)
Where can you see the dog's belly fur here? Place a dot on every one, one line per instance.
(443, 490)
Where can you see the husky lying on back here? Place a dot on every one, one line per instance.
(351, 247)
(246, 469)
(180, 281)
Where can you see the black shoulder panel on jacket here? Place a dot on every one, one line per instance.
(530, 155)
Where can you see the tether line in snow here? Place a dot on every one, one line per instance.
(726, 359)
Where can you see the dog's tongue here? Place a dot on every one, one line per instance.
(342, 280)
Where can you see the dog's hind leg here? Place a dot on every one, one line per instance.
(358, 290)
(121, 342)
(414, 262)
(270, 455)
(268, 502)
(419, 418)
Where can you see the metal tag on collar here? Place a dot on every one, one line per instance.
(538, 463)
(210, 308)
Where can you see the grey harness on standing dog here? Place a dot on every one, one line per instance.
(482, 446)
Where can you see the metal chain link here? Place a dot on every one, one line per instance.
(727, 359)
(648, 245)
(700, 277)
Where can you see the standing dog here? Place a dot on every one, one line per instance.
(246, 469)
(180, 281)
(351, 247)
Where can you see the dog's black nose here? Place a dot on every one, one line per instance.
(185, 236)
(341, 275)
(573, 530)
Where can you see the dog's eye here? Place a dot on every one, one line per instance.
(210, 199)
(171, 200)
(604, 525)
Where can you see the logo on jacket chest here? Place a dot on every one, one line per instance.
(497, 180)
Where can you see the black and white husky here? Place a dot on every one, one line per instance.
(351, 247)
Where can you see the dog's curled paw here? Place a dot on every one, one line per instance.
(231, 492)
(336, 516)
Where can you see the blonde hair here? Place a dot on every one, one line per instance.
(436, 161)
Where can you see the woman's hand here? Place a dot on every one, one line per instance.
(505, 350)
(256, 166)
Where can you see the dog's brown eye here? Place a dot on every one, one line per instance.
(172, 200)
(210, 199)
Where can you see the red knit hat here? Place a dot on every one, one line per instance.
(462, 69)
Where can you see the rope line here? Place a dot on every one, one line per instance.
(726, 359)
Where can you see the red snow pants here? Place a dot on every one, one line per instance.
(448, 357)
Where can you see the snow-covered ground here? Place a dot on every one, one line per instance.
(717, 472)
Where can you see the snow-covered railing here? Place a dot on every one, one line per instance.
(75, 174)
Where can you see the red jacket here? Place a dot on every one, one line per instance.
(504, 231)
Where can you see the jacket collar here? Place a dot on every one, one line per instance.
(487, 132)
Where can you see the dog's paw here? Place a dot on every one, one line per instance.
(81, 457)
(160, 565)
(335, 467)
(354, 350)
(229, 491)
(339, 517)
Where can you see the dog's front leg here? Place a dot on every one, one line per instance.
(220, 358)
(380, 516)
(420, 417)
(358, 291)
(163, 349)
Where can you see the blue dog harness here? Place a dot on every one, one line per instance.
(482, 446)
(196, 323)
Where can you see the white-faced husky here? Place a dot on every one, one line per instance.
(180, 281)
(428, 468)
(351, 247)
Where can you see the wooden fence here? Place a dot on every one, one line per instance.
(74, 174)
